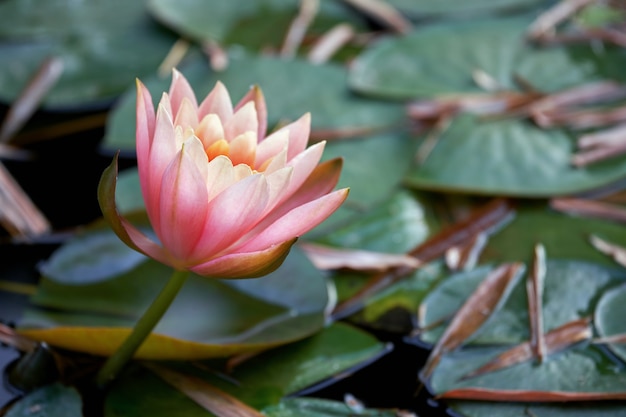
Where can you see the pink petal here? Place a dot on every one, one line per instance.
(321, 181)
(278, 182)
(187, 115)
(303, 164)
(220, 175)
(210, 130)
(271, 146)
(145, 122)
(244, 120)
(179, 90)
(146, 245)
(231, 214)
(242, 171)
(183, 205)
(299, 132)
(297, 222)
(246, 265)
(242, 149)
(274, 164)
(217, 102)
(255, 95)
(162, 151)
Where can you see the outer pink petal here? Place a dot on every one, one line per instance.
(299, 132)
(162, 151)
(256, 96)
(271, 146)
(297, 222)
(217, 102)
(183, 202)
(321, 182)
(303, 165)
(122, 228)
(246, 265)
(179, 90)
(231, 214)
(145, 123)
(146, 245)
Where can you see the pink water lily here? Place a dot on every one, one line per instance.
(224, 199)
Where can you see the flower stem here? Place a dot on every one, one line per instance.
(142, 329)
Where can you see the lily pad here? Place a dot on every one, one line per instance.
(262, 381)
(237, 316)
(571, 291)
(583, 371)
(55, 400)
(451, 8)
(396, 225)
(316, 407)
(439, 60)
(202, 21)
(90, 257)
(318, 89)
(488, 409)
(564, 236)
(102, 50)
(511, 158)
(609, 317)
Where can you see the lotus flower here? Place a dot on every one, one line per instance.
(224, 199)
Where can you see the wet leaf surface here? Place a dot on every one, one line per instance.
(577, 374)
(55, 400)
(259, 382)
(570, 293)
(609, 315)
(451, 51)
(509, 157)
(102, 50)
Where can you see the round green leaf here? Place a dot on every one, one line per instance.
(55, 400)
(489, 409)
(570, 293)
(609, 317)
(448, 8)
(317, 407)
(102, 49)
(202, 21)
(440, 60)
(396, 225)
(564, 236)
(581, 369)
(263, 381)
(89, 258)
(509, 157)
(238, 316)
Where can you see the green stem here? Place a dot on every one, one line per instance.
(142, 329)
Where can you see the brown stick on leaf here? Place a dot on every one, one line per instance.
(556, 340)
(473, 313)
(485, 219)
(589, 208)
(534, 290)
(18, 214)
(298, 28)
